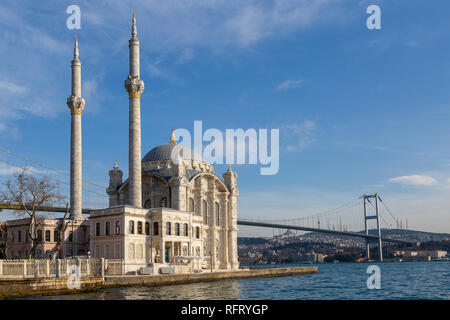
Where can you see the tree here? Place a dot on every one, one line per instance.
(61, 230)
(31, 193)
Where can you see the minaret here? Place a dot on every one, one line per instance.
(76, 105)
(134, 86)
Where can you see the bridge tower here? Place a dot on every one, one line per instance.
(366, 199)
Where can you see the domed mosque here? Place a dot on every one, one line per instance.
(173, 213)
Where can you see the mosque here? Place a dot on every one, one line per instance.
(172, 210)
(172, 213)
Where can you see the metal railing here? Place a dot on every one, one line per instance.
(53, 268)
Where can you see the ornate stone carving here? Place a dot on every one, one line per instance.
(75, 104)
(134, 86)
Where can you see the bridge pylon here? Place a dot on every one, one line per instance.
(366, 198)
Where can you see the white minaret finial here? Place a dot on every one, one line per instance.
(135, 86)
(75, 49)
(133, 27)
(76, 105)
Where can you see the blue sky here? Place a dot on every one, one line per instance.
(359, 111)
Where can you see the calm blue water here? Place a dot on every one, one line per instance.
(414, 280)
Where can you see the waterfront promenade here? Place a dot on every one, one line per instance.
(46, 286)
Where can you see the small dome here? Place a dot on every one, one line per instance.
(166, 151)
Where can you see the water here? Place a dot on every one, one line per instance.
(413, 280)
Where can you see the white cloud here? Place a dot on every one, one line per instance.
(12, 87)
(186, 55)
(288, 84)
(415, 180)
(299, 135)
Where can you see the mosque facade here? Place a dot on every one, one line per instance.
(173, 210)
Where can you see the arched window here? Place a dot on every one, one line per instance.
(70, 236)
(177, 229)
(155, 228)
(117, 227)
(97, 229)
(131, 227)
(163, 202)
(56, 235)
(197, 232)
(19, 236)
(168, 228)
(48, 236)
(139, 227)
(148, 204)
(205, 212)
(107, 228)
(217, 214)
(191, 205)
(185, 230)
(39, 235)
(147, 228)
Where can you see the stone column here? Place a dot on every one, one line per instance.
(76, 105)
(224, 211)
(230, 182)
(135, 87)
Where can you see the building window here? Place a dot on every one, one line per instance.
(19, 236)
(217, 214)
(139, 227)
(70, 236)
(48, 236)
(97, 229)
(185, 230)
(148, 204)
(197, 232)
(39, 235)
(107, 226)
(26, 236)
(56, 236)
(205, 212)
(191, 205)
(155, 228)
(147, 228)
(163, 203)
(131, 227)
(117, 227)
(177, 229)
(168, 228)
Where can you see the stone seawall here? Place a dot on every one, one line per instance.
(53, 286)
(161, 280)
(44, 286)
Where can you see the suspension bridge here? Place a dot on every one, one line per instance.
(350, 220)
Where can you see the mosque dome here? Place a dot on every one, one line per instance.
(165, 152)
(170, 151)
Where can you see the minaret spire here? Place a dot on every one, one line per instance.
(76, 105)
(133, 27)
(75, 49)
(135, 86)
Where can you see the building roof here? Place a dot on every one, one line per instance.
(164, 152)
